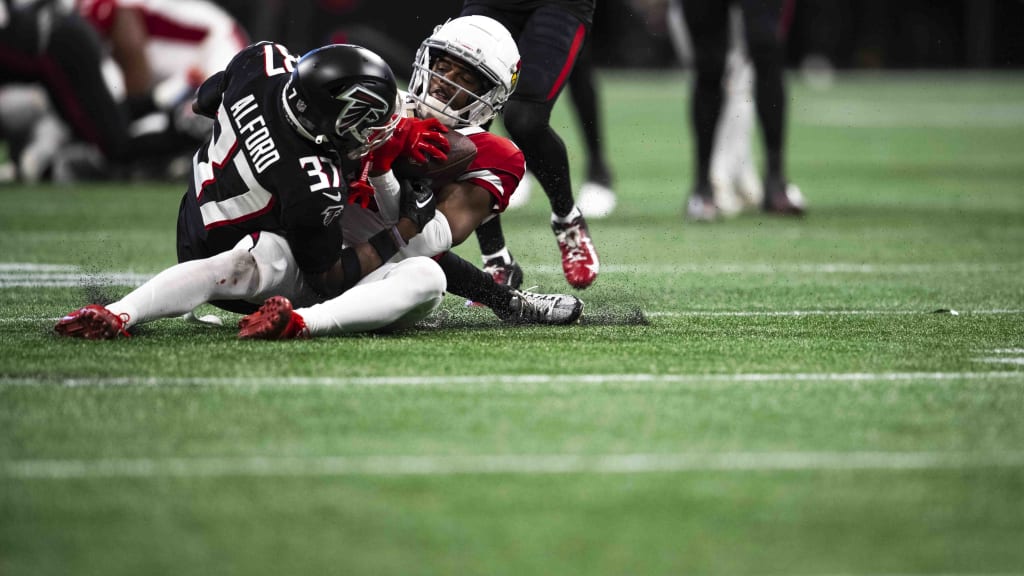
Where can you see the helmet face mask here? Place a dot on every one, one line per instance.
(482, 45)
(343, 97)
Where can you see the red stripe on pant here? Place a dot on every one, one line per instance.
(574, 50)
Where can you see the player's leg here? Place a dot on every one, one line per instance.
(515, 306)
(596, 198)
(238, 278)
(395, 296)
(734, 175)
(498, 261)
(762, 22)
(549, 44)
(708, 25)
(179, 289)
(72, 74)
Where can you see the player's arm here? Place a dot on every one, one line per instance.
(128, 39)
(211, 91)
(465, 206)
(461, 207)
(355, 262)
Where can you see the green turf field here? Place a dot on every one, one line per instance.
(762, 396)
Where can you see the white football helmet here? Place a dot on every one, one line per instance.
(482, 43)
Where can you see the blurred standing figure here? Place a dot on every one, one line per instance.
(159, 52)
(550, 35)
(164, 50)
(708, 25)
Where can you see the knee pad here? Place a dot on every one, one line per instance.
(425, 274)
(273, 263)
(237, 264)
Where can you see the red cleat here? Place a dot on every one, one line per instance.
(93, 322)
(579, 258)
(275, 320)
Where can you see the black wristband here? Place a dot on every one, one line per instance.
(351, 267)
(384, 243)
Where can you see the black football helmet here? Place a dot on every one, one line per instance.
(343, 97)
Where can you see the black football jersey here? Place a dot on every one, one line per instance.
(258, 173)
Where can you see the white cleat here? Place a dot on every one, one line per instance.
(596, 200)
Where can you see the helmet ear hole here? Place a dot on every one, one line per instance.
(342, 94)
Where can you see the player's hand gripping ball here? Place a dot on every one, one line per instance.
(461, 152)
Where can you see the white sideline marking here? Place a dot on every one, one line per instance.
(696, 313)
(686, 313)
(801, 268)
(717, 313)
(34, 267)
(519, 464)
(858, 113)
(522, 380)
(29, 275)
(1009, 356)
(996, 360)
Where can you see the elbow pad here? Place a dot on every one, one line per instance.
(436, 238)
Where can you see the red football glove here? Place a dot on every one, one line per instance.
(414, 138)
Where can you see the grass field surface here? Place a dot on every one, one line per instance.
(760, 396)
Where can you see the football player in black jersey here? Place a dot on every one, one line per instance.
(262, 215)
(550, 34)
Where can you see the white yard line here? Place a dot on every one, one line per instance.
(756, 313)
(28, 275)
(794, 267)
(521, 380)
(860, 114)
(713, 313)
(518, 464)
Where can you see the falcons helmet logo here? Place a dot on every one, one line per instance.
(363, 110)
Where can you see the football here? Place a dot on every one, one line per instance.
(461, 153)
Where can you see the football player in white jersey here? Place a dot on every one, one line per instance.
(262, 215)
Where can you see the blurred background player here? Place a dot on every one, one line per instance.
(708, 24)
(734, 178)
(262, 214)
(159, 52)
(550, 36)
(164, 49)
(51, 59)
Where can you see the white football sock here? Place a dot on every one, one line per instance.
(504, 254)
(572, 215)
(182, 287)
